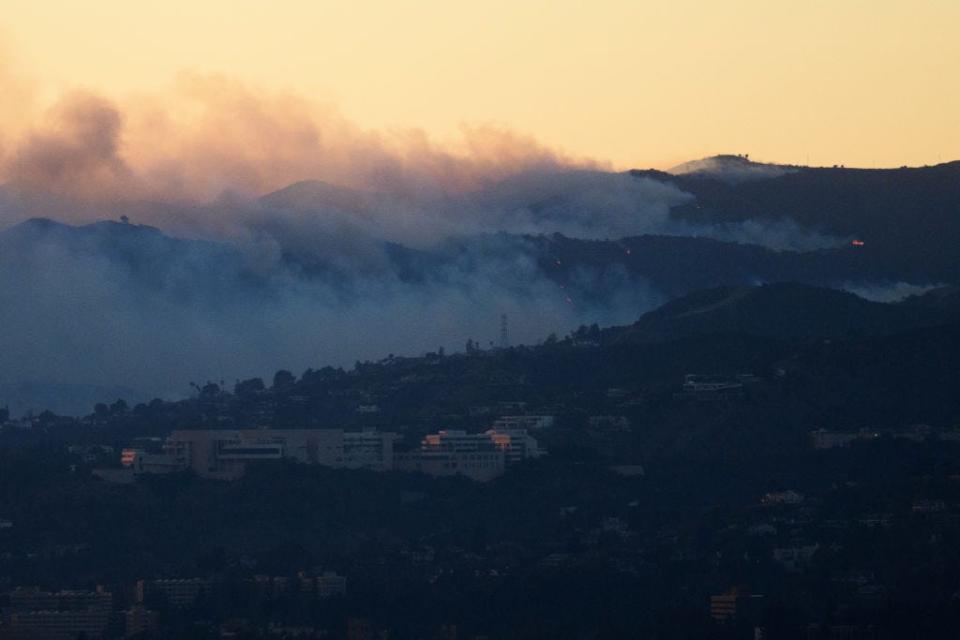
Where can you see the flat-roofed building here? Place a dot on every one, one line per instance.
(58, 614)
(139, 620)
(331, 584)
(180, 593)
(456, 440)
(154, 463)
(479, 456)
(455, 452)
(36, 599)
(735, 604)
(523, 422)
(58, 625)
(367, 449)
(225, 454)
(129, 455)
(476, 465)
(517, 445)
(824, 439)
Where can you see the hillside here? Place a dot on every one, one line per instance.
(298, 275)
(908, 218)
(816, 358)
(784, 311)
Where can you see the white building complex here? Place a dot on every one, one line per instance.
(479, 456)
(224, 454)
(523, 422)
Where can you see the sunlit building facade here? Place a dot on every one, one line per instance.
(479, 456)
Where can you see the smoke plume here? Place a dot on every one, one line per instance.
(269, 231)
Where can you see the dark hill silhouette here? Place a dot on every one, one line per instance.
(909, 218)
(943, 299)
(903, 378)
(590, 271)
(783, 311)
(678, 265)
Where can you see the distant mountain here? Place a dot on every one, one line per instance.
(140, 256)
(139, 245)
(322, 274)
(590, 271)
(731, 169)
(311, 195)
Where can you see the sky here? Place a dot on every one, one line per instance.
(633, 83)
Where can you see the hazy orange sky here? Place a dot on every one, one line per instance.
(641, 83)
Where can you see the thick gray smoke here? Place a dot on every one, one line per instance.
(116, 303)
(887, 291)
(193, 158)
(389, 243)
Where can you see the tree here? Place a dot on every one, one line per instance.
(251, 387)
(210, 390)
(119, 407)
(283, 378)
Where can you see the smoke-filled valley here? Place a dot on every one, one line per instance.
(136, 250)
(316, 274)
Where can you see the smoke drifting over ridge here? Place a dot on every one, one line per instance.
(113, 303)
(192, 159)
(358, 250)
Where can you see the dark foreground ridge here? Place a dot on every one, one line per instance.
(781, 460)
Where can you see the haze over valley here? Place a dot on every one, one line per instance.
(316, 273)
